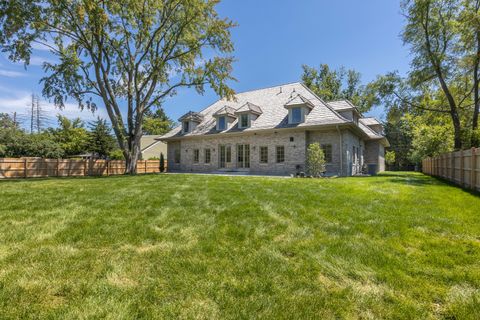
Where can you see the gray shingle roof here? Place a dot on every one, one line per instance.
(274, 114)
(299, 100)
(225, 111)
(369, 121)
(341, 105)
(249, 107)
(191, 115)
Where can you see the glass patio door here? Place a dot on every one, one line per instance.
(243, 156)
(223, 156)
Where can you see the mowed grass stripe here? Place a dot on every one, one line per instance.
(398, 245)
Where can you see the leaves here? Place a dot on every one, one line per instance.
(339, 84)
(132, 54)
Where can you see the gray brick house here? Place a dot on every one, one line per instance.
(267, 131)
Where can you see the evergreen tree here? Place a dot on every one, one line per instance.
(100, 139)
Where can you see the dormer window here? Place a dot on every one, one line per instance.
(244, 121)
(297, 115)
(190, 120)
(222, 123)
(224, 117)
(186, 126)
(298, 107)
(247, 114)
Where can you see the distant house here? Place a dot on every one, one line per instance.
(267, 131)
(151, 147)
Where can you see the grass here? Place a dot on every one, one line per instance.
(398, 246)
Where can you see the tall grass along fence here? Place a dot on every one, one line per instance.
(460, 167)
(15, 168)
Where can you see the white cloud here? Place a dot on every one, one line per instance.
(20, 104)
(11, 74)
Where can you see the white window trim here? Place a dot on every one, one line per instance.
(240, 120)
(218, 123)
(302, 115)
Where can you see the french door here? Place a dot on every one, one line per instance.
(243, 156)
(223, 156)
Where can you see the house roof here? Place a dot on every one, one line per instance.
(225, 111)
(299, 100)
(273, 115)
(370, 121)
(341, 105)
(249, 107)
(193, 116)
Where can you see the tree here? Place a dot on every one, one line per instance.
(71, 135)
(442, 47)
(338, 84)
(100, 140)
(127, 53)
(156, 122)
(399, 132)
(162, 162)
(390, 157)
(315, 160)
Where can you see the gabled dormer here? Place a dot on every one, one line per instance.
(246, 114)
(190, 120)
(298, 108)
(224, 118)
(373, 124)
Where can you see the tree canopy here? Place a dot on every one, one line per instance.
(330, 84)
(130, 54)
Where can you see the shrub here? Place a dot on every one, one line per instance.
(162, 162)
(315, 160)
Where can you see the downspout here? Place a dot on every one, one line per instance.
(341, 150)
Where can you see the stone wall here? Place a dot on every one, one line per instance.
(293, 141)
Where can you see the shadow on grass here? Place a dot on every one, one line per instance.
(117, 176)
(420, 179)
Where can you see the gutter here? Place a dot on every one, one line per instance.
(341, 150)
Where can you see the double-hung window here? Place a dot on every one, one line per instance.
(244, 120)
(280, 154)
(222, 123)
(207, 156)
(296, 115)
(327, 151)
(186, 126)
(196, 155)
(263, 154)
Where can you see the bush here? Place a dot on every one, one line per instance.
(116, 155)
(162, 163)
(315, 160)
(390, 157)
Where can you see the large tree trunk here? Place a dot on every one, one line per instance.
(134, 147)
(476, 93)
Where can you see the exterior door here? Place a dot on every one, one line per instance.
(243, 156)
(223, 156)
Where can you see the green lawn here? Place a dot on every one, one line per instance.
(398, 246)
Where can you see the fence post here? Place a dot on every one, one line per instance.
(107, 162)
(473, 172)
(25, 168)
(462, 175)
(146, 166)
(57, 169)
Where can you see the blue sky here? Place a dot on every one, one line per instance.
(273, 39)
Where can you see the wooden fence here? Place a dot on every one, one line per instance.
(460, 167)
(37, 168)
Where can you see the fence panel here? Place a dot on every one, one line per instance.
(11, 168)
(460, 167)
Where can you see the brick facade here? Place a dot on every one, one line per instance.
(294, 142)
